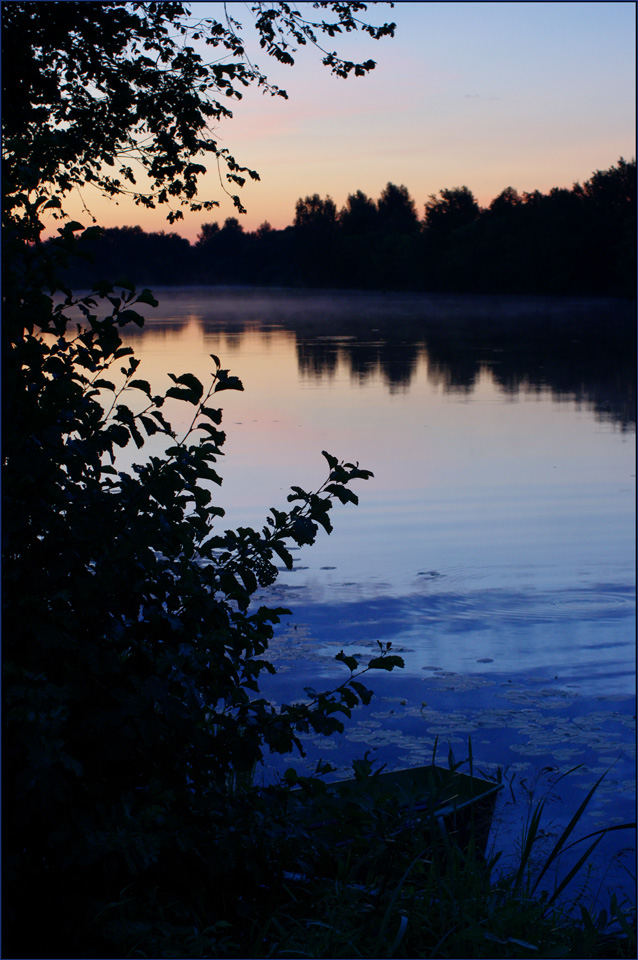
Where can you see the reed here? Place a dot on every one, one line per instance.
(443, 899)
(391, 887)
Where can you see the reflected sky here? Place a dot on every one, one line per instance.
(495, 545)
(500, 520)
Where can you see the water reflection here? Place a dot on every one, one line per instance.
(494, 547)
(469, 633)
(580, 350)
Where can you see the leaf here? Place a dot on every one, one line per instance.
(249, 579)
(147, 297)
(332, 461)
(281, 552)
(385, 663)
(182, 393)
(342, 493)
(229, 383)
(350, 662)
(118, 434)
(163, 422)
(150, 426)
(324, 520)
(567, 831)
(130, 316)
(364, 693)
(217, 435)
(143, 385)
(91, 233)
(303, 531)
(212, 413)
(349, 698)
(190, 381)
(72, 227)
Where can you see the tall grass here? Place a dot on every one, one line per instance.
(450, 901)
(378, 885)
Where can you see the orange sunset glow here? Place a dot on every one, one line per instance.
(490, 95)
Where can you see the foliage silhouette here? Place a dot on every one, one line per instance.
(85, 89)
(132, 652)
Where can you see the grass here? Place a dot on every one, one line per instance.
(456, 912)
(401, 891)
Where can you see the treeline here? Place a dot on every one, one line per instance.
(578, 241)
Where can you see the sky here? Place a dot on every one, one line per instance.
(484, 95)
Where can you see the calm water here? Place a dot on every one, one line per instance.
(495, 545)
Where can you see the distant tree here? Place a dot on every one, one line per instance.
(132, 254)
(208, 234)
(264, 230)
(507, 201)
(232, 237)
(609, 198)
(219, 252)
(359, 215)
(613, 190)
(232, 229)
(533, 199)
(452, 209)
(315, 228)
(397, 211)
(316, 215)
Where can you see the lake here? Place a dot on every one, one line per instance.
(494, 547)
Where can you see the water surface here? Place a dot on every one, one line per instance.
(494, 546)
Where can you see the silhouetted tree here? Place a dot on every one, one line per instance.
(359, 215)
(613, 190)
(209, 233)
(264, 231)
(317, 215)
(220, 252)
(397, 210)
(609, 198)
(315, 229)
(507, 200)
(450, 210)
(578, 241)
(131, 253)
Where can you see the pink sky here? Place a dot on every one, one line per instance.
(487, 95)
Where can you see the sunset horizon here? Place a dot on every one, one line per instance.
(484, 95)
